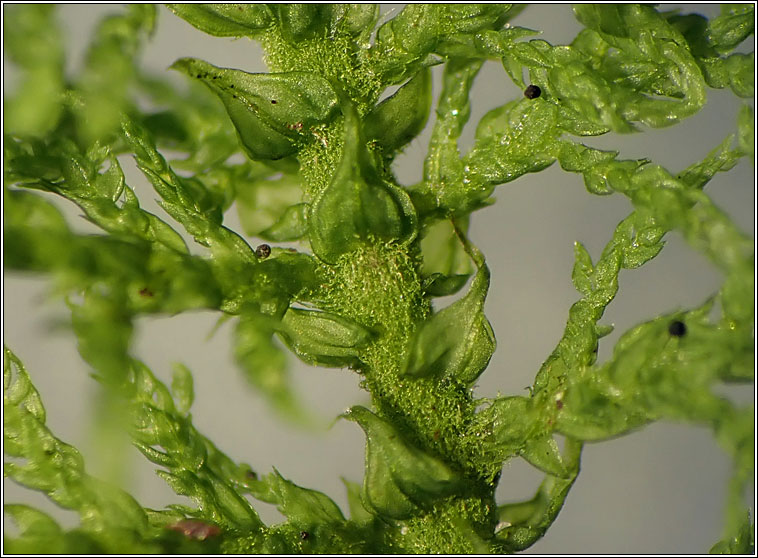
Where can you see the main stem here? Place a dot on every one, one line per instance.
(379, 286)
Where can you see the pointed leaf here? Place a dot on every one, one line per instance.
(458, 341)
(182, 387)
(272, 113)
(300, 505)
(445, 262)
(544, 454)
(358, 207)
(358, 511)
(583, 270)
(32, 522)
(400, 118)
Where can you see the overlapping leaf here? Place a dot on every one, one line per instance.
(400, 478)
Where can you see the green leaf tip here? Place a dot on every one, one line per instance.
(458, 341)
(273, 113)
(322, 338)
(400, 478)
(400, 118)
(302, 506)
(359, 207)
(225, 20)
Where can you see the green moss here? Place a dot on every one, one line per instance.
(319, 170)
(337, 57)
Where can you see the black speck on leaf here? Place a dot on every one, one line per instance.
(273, 101)
(304, 535)
(532, 92)
(263, 251)
(677, 328)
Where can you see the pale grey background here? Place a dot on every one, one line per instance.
(660, 490)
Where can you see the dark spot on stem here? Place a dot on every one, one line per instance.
(305, 535)
(273, 101)
(677, 328)
(532, 92)
(559, 404)
(144, 291)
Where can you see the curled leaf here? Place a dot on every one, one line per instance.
(292, 225)
(353, 19)
(517, 138)
(446, 265)
(322, 338)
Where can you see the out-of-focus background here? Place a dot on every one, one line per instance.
(659, 490)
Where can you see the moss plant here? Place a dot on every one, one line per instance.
(306, 152)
